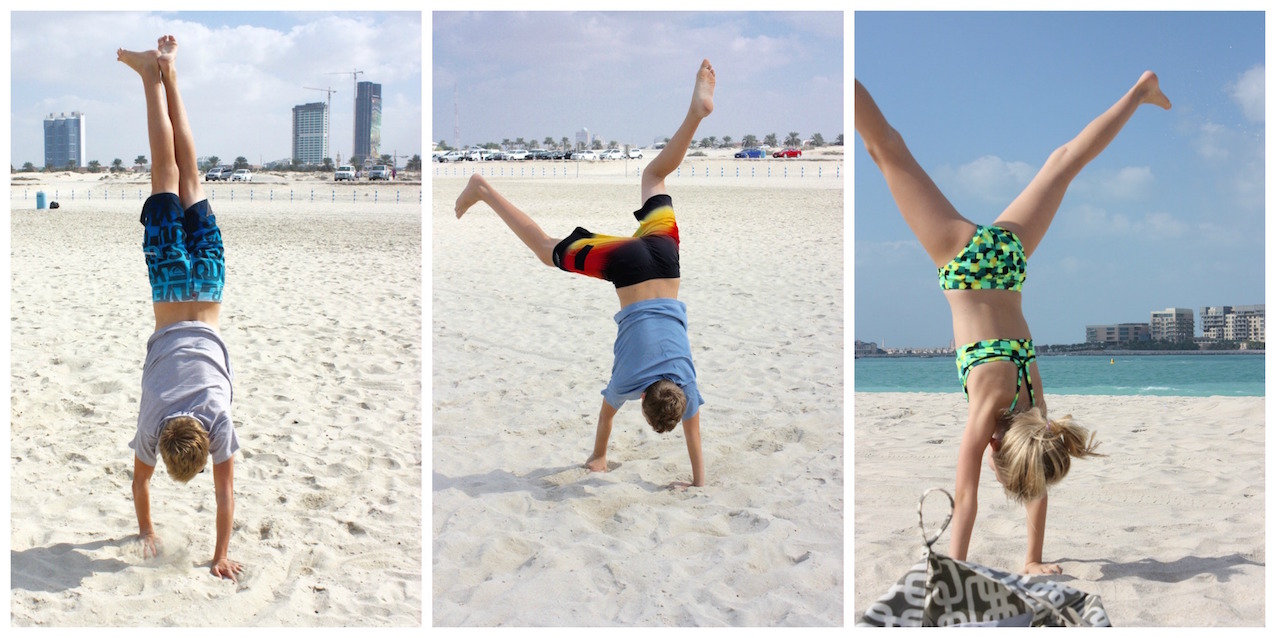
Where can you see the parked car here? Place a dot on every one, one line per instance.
(538, 154)
(635, 153)
(495, 155)
(611, 154)
(344, 173)
(585, 156)
(242, 175)
(450, 156)
(380, 171)
(218, 173)
(517, 154)
(788, 152)
(751, 153)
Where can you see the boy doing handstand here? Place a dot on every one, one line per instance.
(652, 350)
(186, 381)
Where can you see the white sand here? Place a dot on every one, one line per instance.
(322, 318)
(522, 533)
(1168, 529)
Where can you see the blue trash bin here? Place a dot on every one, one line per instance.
(39, 200)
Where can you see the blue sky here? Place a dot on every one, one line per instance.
(241, 74)
(1171, 214)
(627, 76)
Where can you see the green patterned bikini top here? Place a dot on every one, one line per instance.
(993, 260)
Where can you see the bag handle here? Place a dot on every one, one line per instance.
(942, 526)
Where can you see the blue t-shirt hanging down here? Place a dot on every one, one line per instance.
(652, 344)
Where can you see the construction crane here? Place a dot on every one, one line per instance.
(354, 133)
(327, 124)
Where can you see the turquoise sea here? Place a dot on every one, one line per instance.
(1143, 375)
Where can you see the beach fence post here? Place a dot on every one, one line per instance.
(334, 195)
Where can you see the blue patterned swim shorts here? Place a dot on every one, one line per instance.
(184, 255)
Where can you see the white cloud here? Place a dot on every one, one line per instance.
(1248, 92)
(988, 178)
(1131, 182)
(1094, 220)
(1212, 142)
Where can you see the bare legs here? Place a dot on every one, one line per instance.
(159, 128)
(173, 166)
(1029, 216)
(478, 190)
(190, 189)
(653, 178)
(943, 231)
(670, 157)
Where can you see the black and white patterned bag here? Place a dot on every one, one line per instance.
(942, 592)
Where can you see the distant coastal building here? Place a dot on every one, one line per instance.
(583, 138)
(1118, 333)
(310, 133)
(1213, 321)
(1172, 324)
(866, 348)
(1234, 323)
(367, 121)
(1247, 323)
(64, 140)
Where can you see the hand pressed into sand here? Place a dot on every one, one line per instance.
(1042, 568)
(596, 463)
(151, 545)
(226, 568)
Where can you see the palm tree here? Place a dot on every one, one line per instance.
(750, 141)
(414, 163)
(95, 166)
(30, 168)
(549, 142)
(817, 140)
(520, 143)
(117, 165)
(240, 162)
(770, 139)
(838, 141)
(793, 139)
(566, 144)
(505, 144)
(726, 140)
(140, 160)
(214, 161)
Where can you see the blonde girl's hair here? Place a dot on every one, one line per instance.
(1037, 452)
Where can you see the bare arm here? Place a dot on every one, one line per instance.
(691, 429)
(142, 504)
(224, 485)
(1036, 511)
(980, 426)
(598, 459)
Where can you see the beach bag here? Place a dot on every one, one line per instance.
(942, 592)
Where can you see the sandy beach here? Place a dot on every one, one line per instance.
(522, 533)
(322, 318)
(1168, 529)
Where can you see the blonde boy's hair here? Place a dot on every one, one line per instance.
(1037, 452)
(663, 404)
(183, 444)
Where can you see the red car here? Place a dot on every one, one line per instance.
(788, 152)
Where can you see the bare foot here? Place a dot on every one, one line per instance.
(1148, 88)
(471, 195)
(596, 463)
(167, 46)
(144, 62)
(702, 95)
(1041, 568)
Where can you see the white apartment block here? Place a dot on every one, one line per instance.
(1234, 323)
(1172, 324)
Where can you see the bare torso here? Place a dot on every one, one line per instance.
(650, 289)
(168, 313)
(987, 314)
